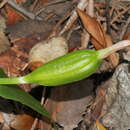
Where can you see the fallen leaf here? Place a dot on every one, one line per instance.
(12, 16)
(99, 38)
(22, 122)
(94, 28)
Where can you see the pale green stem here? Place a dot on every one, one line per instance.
(103, 53)
(17, 80)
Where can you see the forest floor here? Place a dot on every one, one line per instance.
(99, 102)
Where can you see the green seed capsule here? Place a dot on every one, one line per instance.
(69, 68)
(66, 69)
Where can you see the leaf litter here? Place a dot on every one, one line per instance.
(84, 105)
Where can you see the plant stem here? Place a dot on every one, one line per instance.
(103, 53)
(17, 80)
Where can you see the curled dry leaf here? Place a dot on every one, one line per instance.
(47, 50)
(99, 38)
(94, 28)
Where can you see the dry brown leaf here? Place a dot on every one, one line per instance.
(99, 38)
(96, 44)
(22, 122)
(94, 28)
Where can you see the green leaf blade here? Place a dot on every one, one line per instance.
(17, 94)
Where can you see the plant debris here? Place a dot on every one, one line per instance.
(98, 102)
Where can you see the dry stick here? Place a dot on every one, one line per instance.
(3, 3)
(85, 37)
(81, 5)
(124, 29)
(111, 11)
(115, 27)
(34, 124)
(108, 18)
(50, 3)
(71, 31)
(54, 2)
(23, 11)
(121, 13)
(40, 11)
(91, 8)
(54, 32)
(34, 5)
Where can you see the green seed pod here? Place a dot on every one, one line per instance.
(66, 69)
(69, 68)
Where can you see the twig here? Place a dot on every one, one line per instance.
(34, 5)
(40, 11)
(81, 5)
(54, 32)
(71, 31)
(115, 27)
(124, 29)
(3, 3)
(90, 10)
(23, 10)
(54, 2)
(85, 37)
(121, 13)
(34, 124)
(108, 18)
